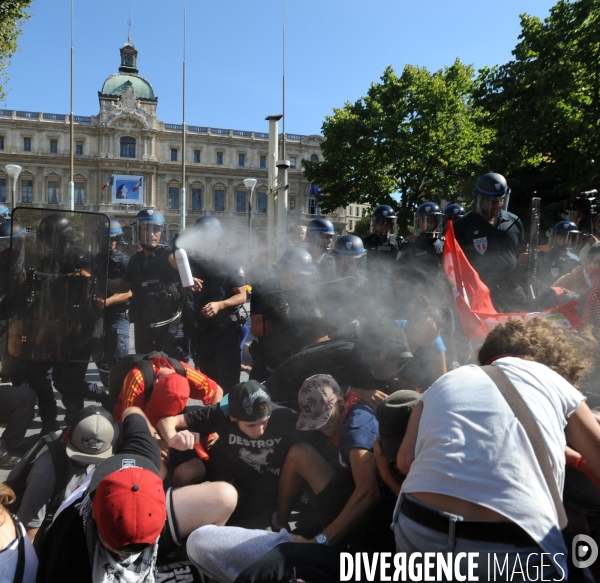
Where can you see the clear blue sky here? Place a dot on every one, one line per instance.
(335, 49)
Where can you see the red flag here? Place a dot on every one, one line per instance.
(473, 301)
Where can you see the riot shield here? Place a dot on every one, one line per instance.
(302, 316)
(56, 312)
(534, 234)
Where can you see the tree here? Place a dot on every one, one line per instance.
(544, 105)
(362, 227)
(417, 135)
(12, 16)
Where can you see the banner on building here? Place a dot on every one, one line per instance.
(473, 302)
(127, 189)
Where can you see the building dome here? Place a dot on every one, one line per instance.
(117, 83)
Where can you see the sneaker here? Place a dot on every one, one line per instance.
(101, 394)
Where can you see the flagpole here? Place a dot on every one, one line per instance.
(72, 137)
(183, 195)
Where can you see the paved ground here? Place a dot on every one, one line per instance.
(92, 376)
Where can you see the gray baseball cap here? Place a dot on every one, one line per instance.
(91, 435)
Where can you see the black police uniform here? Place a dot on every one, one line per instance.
(325, 269)
(381, 260)
(116, 321)
(154, 306)
(493, 251)
(421, 269)
(218, 339)
(259, 370)
(553, 264)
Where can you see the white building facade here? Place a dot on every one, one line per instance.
(126, 137)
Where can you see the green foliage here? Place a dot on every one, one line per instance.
(362, 227)
(418, 135)
(12, 17)
(545, 104)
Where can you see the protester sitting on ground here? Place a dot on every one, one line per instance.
(583, 277)
(17, 405)
(55, 474)
(254, 441)
(18, 561)
(346, 498)
(168, 392)
(473, 482)
(370, 365)
(392, 414)
(110, 526)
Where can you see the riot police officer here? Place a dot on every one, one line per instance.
(151, 275)
(217, 298)
(559, 259)
(319, 242)
(421, 266)
(490, 237)
(453, 212)
(382, 247)
(116, 321)
(349, 253)
(294, 269)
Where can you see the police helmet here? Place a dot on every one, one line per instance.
(296, 260)
(209, 226)
(13, 227)
(149, 227)
(349, 246)
(564, 235)
(383, 220)
(453, 212)
(4, 211)
(428, 219)
(492, 195)
(57, 226)
(320, 234)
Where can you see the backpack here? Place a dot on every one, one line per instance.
(17, 479)
(120, 370)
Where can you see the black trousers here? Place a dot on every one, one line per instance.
(17, 405)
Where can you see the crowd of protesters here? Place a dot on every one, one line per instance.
(369, 423)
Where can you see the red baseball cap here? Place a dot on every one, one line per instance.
(129, 504)
(169, 397)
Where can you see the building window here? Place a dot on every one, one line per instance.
(292, 204)
(79, 193)
(350, 226)
(262, 202)
(2, 189)
(127, 147)
(358, 211)
(263, 161)
(79, 149)
(196, 199)
(219, 157)
(26, 144)
(53, 192)
(219, 200)
(313, 209)
(314, 158)
(293, 162)
(174, 196)
(54, 146)
(1, 142)
(241, 159)
(196, 156)
(26, 190)
(173, 154)
(240, 201)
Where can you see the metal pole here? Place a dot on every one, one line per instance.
(283, 92)
(282, 206)
(249, 193)
(272, 182)
(534, 235)
(183, 194)
(72, 140)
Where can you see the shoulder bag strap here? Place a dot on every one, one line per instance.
(527, 420)
(20, 570)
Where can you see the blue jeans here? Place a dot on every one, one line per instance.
(116, 344)
(503, 559)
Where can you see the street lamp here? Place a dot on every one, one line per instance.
(13, 171)
(249, 183)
